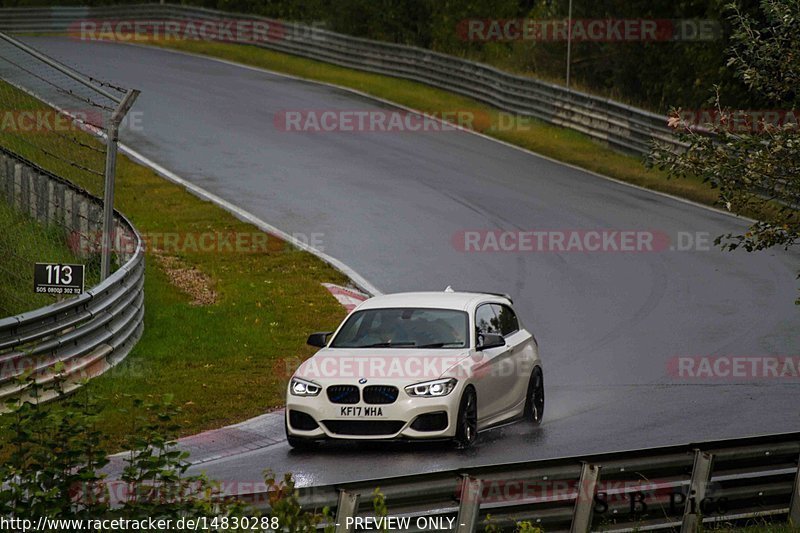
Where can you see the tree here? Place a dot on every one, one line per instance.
(752, 158)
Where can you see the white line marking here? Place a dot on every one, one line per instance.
(246, 216)
(421, 113)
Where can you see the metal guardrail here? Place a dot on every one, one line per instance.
(666, 488)
(621, 126)
(88, 334)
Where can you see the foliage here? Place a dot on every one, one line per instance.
(379, 506)
(766, 55)
(50, 454)
(753, 163)
(524, 526)
(527, 527)
(53, 461)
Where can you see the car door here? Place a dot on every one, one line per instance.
(514, 366)
(493, 373)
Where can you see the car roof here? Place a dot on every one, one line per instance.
(442, 300)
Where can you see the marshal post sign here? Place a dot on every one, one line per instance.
(58, 279)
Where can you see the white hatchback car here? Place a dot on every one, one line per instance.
(420, 365)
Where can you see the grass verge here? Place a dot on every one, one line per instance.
(24, 241)
(558, 143)
(217, 359)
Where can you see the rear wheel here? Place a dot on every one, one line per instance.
(534, 403)
(467, 423)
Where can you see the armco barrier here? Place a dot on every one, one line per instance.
(90, 333)
(621, 126)
(667, 488)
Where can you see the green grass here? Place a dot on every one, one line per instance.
(218, 361)
(24, 241)
(559, 143)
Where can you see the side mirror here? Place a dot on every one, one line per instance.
(320, 339)
(489, 340)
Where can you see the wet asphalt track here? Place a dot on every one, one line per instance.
(389, 205)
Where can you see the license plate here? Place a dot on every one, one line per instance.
(357, 411)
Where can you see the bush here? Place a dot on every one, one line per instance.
(54, 455)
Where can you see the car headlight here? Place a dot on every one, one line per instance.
(438, 387)
(301, 387)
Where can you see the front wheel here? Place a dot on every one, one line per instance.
(467, 423)
(534, 403)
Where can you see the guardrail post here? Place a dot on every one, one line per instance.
(467, 521)
(701, 476)
(346, 508)
(794, 507)
(584, 501)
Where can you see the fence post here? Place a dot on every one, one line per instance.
(584, 501)
(470, 505)
(346, 508)
(794, 506)
(19, 201)
(33, 197)
(112, 138)
(701, 476)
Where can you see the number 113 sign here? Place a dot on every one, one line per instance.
(52, 278)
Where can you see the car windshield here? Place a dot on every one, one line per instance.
(404, 328)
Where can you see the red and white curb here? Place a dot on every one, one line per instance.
(349, 298)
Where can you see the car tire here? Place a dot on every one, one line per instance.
(534, 401)
(298, 443)
(467, 421)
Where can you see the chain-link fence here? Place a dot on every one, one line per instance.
(59, 122)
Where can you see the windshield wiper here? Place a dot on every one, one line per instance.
(387, 344)
(440, 345)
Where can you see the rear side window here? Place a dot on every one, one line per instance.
(486, 320)
(506, 319)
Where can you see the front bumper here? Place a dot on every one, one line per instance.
(407, 418)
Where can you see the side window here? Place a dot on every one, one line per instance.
(506, 319)
(486, 320)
